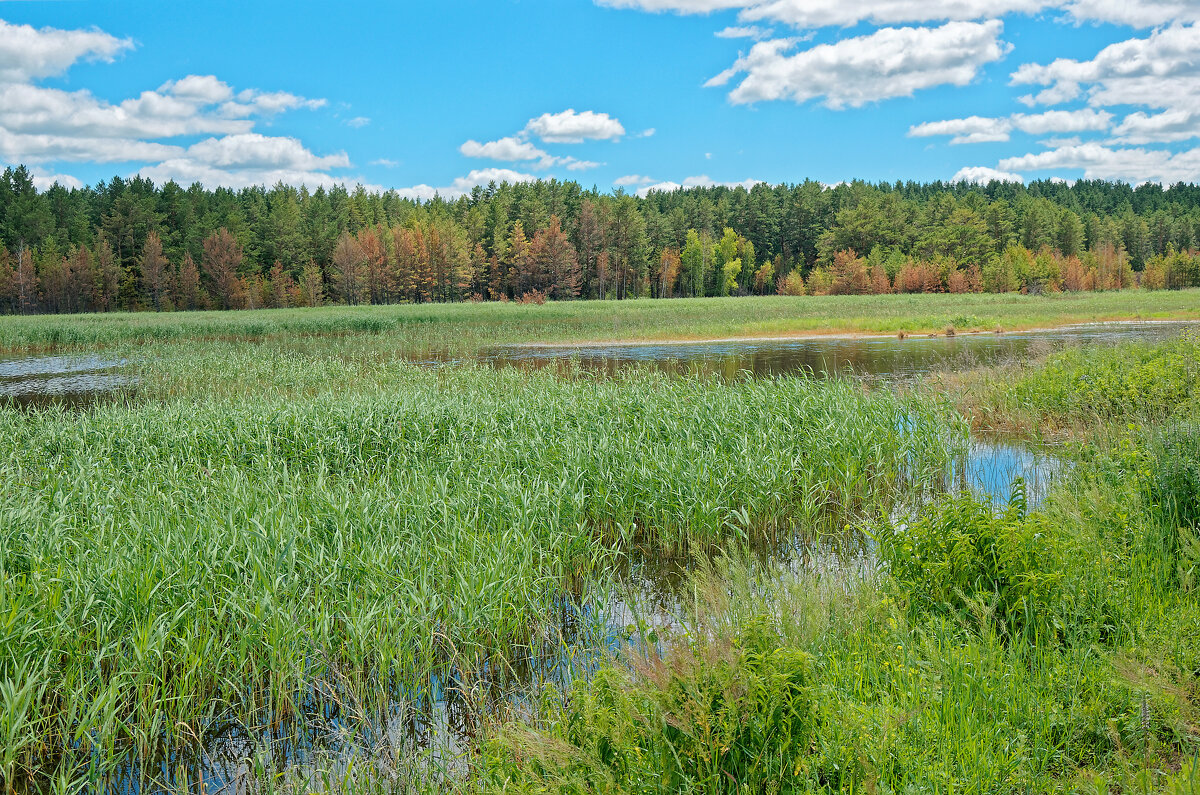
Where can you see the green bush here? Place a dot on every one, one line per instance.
(964, 559)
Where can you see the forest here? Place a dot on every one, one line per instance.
(129, 245)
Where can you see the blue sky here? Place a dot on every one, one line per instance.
(425, 97)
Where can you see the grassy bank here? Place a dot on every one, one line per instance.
(259, 540)
(467, 327)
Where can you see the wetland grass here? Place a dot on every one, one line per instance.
(258, 540)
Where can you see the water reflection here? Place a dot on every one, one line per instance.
(72, 381)
(890, 357)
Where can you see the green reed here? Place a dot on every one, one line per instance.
(268, 528)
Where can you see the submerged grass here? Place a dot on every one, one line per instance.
(464, 328)
(218, 552)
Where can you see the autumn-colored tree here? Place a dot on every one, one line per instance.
(25, 284)
(522, 267)
(403, 263)
(374, 273)
(106, 275)
(8, 278)
(879, 284)
(221, 260)
(764, 274)
(281, 287)
(156, 277)
(556, 262)
(669, 265)
(349, 264)
(849, 273)
(187, 285)
(81, 288)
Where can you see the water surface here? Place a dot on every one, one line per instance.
(888, 357)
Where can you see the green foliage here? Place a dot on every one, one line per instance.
(1113, 383)
(962, 556)
(739, 714)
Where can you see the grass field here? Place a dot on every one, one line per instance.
(467, 327)
(289, 529)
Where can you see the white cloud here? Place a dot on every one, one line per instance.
(847, 13)
(843, 13)
(1135, 13)
(971, 130)
(983, 175)
(1159, 71)
(632, 179)
(239, 161)
(28, 53)
(1099, 161)
(200, 89)
(570, 127)
(463, 185)
(257, 103)
(891, 62)
(252, 150)
(48, 125)
(358, 121)
(43, 179)
(745, 32)
(646, 133)
(42, 148)
(386, 162)
(979, 129)
(510, 149)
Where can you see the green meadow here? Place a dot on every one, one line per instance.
(290, 535)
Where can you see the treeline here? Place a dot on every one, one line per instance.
(127, 244)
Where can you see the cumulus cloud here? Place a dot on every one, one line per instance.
(1159, 71)
(43, 179)
(358, 121)
(570, 127)
(510, 149)
(1100, 161)
(41, 125)
(983, 175)
(464, 185)
(979, 129)
(891, 62)
(28, 53)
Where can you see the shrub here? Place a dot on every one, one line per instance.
(963, 556)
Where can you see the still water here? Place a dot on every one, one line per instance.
(886, 357)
